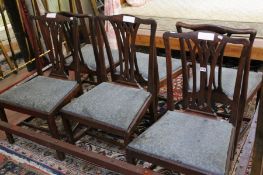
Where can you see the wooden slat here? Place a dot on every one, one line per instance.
(100, 160)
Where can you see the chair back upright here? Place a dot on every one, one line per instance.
(85, 7)
(126, 30)
(202, 50)
(53, 27)
(230, 32)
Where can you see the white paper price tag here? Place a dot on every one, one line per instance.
(51, 15)
(129, 19)
(206, 36)
(220, 37)
(202, 69)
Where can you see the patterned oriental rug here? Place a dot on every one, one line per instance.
(28, 158)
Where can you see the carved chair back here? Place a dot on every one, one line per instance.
(126, 28)
(230, 32)
(202, 49)
(53, 27)
(91, 36)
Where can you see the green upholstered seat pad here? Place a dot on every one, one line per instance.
(229, 80)
(89, 57)
(143, 64)
(41, 93)
(190, 140)
(109, 103)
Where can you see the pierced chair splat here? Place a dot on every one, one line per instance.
(93, 61)
(116, 107)
(194, 141)
(43, 96)
(141, 62)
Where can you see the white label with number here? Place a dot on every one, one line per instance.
(129, 19)
(202, 69)
(51, 15)
(206, 36)
(220, 37)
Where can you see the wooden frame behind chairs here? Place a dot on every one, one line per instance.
(195, 141)
(43, 96)
(117, 107)
(254, 79)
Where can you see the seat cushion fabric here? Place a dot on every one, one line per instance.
(193, 141)
(41, 93)
(229, 80)
(89, 57)
(110, 103)
(143, 64)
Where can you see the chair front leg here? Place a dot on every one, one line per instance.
(130, 159)
(67, 127)
(127, 138)
(54, 133)
(9, 136)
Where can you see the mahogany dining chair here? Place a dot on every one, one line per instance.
(194, 141)
(43, 96)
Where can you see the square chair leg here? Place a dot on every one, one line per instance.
(9, 136)
(54, 133)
